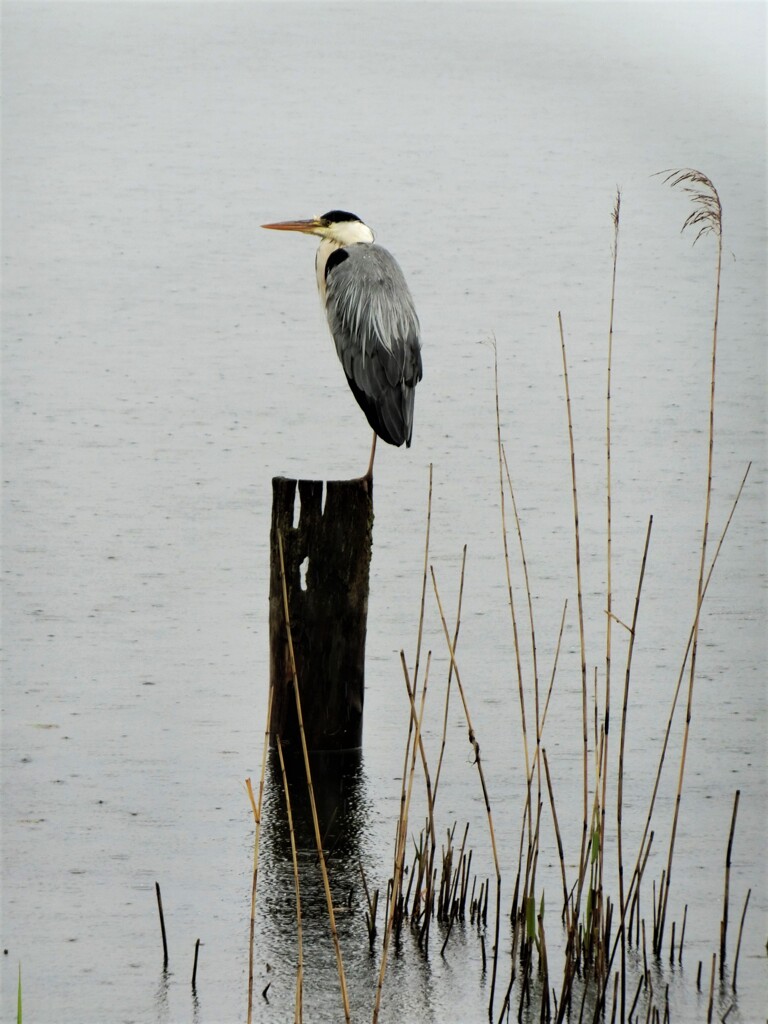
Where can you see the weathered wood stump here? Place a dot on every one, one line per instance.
(327, 556)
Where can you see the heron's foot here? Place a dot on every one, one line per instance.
(367, 480)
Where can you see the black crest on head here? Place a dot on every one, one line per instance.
(335, 216)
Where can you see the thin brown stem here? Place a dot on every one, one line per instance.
(724, 922)
(707, 216)
(738, 942)
(400, 846)
(476, 748)
(643, 841)
(507, 569)
(620, 781)
(609, 540)
(450, 672)
(580, 603)
(298, 1011)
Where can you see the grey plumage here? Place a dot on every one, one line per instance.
(376, 332)
(372, 319)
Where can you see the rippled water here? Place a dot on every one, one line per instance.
(164, 358)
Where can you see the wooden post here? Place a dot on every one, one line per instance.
(327, 557)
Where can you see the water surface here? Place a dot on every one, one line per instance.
(164, 358)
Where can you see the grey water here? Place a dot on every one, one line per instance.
(164, 358)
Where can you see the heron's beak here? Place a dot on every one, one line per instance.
(308, 227)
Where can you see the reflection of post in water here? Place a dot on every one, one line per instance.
(337, 780)
(339, 789)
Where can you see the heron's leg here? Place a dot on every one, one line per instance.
(369, 474)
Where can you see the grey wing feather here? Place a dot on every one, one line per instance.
(376, 331)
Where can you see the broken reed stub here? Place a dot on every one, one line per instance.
(327, 557)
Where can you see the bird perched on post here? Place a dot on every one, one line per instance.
(372, 320)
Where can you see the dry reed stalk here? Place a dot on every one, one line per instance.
(450, 672)
(707, 216)
(529, 880)
(162, 925)
(615, 1000)
(738, 941)
(554, 666)
(518, 925)
(537, 756)
(311, 790)
(194, 965)
(418, 656)
(476, 748)
(423, 585)
(528, 596)
(637, 996)
(608, 452)
(447, 855)
(460, 874)
(298, 1012)
(256, 807)
(566, 909)
(540, 718)
(596, 730)
(540, 722)
(594, 896)
(572, 941)
(465, 876)
(424, 936)
(452, 901)
(650, 1009)
(560, 854)
(637, 874)
(620, 781)
(544, 964)
(430, 800)
(507, 569)
(461, 871)
(724, 922)
(657, 906)
(400, 840)
(616, 216)
(403, 798)
(519, 902)
(373, 905)
(645, 957)
(601, 911)
(580, 604)
(682, 935)
(711, 989)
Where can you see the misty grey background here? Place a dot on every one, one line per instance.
(163, 358)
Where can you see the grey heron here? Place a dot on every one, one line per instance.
(372, 320)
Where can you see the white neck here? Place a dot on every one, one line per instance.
(337, 236)
(347, 232)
